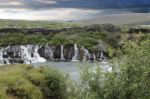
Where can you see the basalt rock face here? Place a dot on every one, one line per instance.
(138, 30)
(44, 31)
(103, 28)
(34, 54)
(69, 52)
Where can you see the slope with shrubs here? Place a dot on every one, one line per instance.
(129, 78)
(26, 82)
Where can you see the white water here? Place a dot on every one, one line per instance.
(51, 54)
(3, 60)
(49, 50)
(29, 54)
(86, 54)
(28, 51)
(94, 57)
(102, 55)
(36, 57)
(62, 53)
(1, 56)
(76, 53)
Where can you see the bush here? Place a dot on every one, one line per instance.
(26, 82)
(54, 86)
(129, 78)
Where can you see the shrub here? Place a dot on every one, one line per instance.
(26, 82)
(129, 78)
(54, 86)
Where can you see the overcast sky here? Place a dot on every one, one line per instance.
(69, 9)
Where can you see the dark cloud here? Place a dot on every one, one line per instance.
(135, 6)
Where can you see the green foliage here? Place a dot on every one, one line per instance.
(129, 78)
(87, 39)
(54, 86)
(68, 33)
(36, 24)
(26, 82)
(134, 71)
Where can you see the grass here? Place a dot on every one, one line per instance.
(26, 82)
(36, 24)
(14, 82)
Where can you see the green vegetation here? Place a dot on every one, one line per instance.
(26, 82)
(87, 39)
(21, 39)
(88, 36)
(129, 78)
(36, 24)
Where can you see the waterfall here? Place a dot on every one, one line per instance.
(62, 53)
(3, 60)
(51, 53)
(101, 55)
(76, 53)
(36, 57)
(26, 54)
(49, 50)
(94, 56)
(1, 57)
(86, 54)
(69, 54)
(30, 54)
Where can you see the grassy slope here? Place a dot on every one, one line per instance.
(14, 82)
(26, 82)
(35, 24)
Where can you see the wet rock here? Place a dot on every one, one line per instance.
(57, 52)
(68, 52)
(13, 52)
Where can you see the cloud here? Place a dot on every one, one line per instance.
(80, 4)
(60, 14)
(69, 9)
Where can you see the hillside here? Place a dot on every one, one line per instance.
(36, 24)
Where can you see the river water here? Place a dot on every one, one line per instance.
(72, 68)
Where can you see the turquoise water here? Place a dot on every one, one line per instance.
(72, 68)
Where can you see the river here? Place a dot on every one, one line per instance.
(72, 68)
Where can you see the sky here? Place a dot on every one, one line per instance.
(66, 10)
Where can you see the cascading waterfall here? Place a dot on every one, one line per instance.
(51, 54)
(62, 53)
(1, 57)
(26, 54)
(76, 53)
(69, 54)
(35, 54)
(3, 60)
(86, 54)
(101, 55)
(36, 57)
(94, 56)
(49, 51)
(30, 54)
